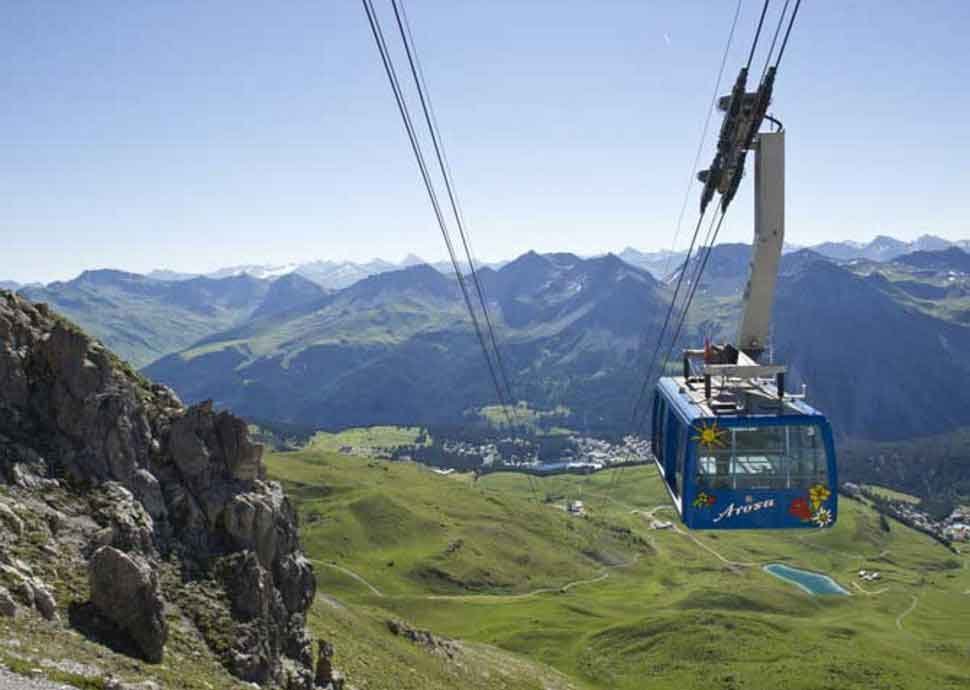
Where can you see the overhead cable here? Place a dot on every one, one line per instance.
(386, 60)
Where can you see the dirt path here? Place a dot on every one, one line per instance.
(650, 513)
(865, 591)
(912, 607)
(351, 573)
(478, 597)
(710, 549)
(512, 597)
(535, 592)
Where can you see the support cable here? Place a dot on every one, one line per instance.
(757, 34)
(425, 98)
(693, 288)
(692, 177)
(641, 396)
(374, 22)
(503, 394)
(774, 38)
(697, 156)
(791, 23)
(663, 329)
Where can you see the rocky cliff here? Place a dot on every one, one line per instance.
(124, 513)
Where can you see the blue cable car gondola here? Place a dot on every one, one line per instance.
(734, 449)
(768, 465)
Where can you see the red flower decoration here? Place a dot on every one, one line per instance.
(711, 500)
(800, 509)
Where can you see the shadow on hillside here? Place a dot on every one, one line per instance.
(86, 620)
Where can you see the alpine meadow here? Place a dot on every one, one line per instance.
(605, 426)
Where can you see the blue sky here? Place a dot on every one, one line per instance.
(193, 135)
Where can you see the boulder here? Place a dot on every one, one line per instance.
(149, 492)
(23, 586)
(207, 445)
(124, 589)
(10, 521)
(297, 676)
(251, 522)
(188, 449)
(324, 674)
(115, 684)
(127, 525)
(44, 601)
(296, 582)
(242, 457)
(298, 645)
(441, 646)
(8, 607)
(248, 584)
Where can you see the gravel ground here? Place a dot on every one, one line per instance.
(11, 681)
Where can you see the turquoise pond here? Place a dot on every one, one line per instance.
(813, 583)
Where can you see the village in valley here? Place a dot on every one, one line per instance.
(572, 454)
(950, 525)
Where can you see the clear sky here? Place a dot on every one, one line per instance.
(194, 135)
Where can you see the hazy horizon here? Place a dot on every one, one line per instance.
(398, 261)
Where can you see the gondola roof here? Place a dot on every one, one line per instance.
(760, 400)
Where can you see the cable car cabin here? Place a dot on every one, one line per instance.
(746, 459)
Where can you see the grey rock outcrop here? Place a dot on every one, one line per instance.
(442, 646)
(125, 590)
(326, 675)
(163, 482)
(149, 492)
(10, 521)
(8, 607)
(127, 525)
(18, 583)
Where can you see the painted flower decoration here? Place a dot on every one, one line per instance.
(822, 517)
(710, 436)
(800, 509)
(703, 500)
(818, 494)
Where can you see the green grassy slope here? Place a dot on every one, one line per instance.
(366, 439)
(484, 563)
(142, 319)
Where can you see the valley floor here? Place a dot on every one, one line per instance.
(520, 594)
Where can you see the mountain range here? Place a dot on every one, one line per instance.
(398, 347)
(335, 275)
(332, 275)
(660, 264)
(142, 318)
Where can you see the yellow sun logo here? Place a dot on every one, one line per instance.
(710, 436)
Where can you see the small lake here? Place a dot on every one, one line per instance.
(813, 583)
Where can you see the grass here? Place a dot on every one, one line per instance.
(367, 440)
(485, 563)
(891, 494)
(23, 668)
(498, 415)
(414, 532)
